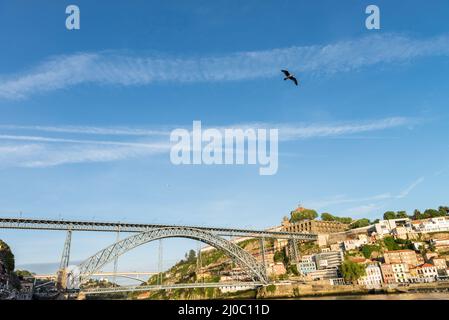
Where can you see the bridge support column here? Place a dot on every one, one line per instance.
(262, 251)
(199, 264)
(65, 259)
(293, 251)
(116, 258)
(160, 265)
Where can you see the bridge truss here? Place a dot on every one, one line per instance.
(143, 233)
(245, 260)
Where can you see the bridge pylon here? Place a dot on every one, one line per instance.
(61, 279)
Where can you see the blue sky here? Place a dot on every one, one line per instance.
(86, 114)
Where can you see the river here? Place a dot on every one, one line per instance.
(401, 296)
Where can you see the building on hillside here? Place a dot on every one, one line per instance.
(437, 224)
(336, 246)
(26, 290)
(353, 244)
(400, 272)
(386, 227)
(373, 277)
(307, 265)
(424, 273)
(276, 269)
(338, 282)
(314, 226)
(401, 256)
(440, 245)
(429, 256)
(400, 233)
(331, 259)
(323, 274)
(387, 274)
(441, 265)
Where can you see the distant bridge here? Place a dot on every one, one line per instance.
(230, 286)
(134, 275)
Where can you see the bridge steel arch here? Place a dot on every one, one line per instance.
(242, 258)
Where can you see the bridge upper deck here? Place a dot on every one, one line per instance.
(96, 226)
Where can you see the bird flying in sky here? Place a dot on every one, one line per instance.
(289, 76)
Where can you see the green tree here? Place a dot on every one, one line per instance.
(368, 249)
(402, 215)
(306, 214)
(279, 256)
(389, 215)
(7, 256)
(417, 215)
(444, 209)
(391, 244)
(191, 256)
(352, 271)
(360, 223)
(346, 220)
(432, 213)
(327, 217)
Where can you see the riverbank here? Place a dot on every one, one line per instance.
(323, 291)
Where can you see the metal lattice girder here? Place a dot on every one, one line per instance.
(95, 226)
(242, 258)
(66, 251)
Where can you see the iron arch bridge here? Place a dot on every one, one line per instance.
(245, 260)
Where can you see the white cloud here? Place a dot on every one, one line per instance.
(47, 155)
(288, 132)
(52, 149)
(130, 70)
(404, 193)
(89, 130)
(376, 201)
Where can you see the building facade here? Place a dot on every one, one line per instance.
(314, 226)
(331, 259)
(437, 224)
(373, 277)
(400, 272)
(307, 265)
(387, 274)
(401, 256)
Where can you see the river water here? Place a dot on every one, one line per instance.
(402, 296)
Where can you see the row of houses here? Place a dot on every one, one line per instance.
(401, 228)
(403, 266)
(399, 273)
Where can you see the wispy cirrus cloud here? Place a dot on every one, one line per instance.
(116, 68)
(50, 146)
(367, 204)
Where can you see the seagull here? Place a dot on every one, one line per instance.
(289, 76)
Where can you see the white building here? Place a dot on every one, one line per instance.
(373, 277)
(437, 224)
(331, 259)
(324, 274)
(400, 272)
(386, 227)
(353, 244)
(307, 265)
(428, 272)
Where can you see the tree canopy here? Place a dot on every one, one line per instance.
(304, 214)
(360, 223)
(7, 257)
(352, 271)
(431, 213)
(325, 216)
